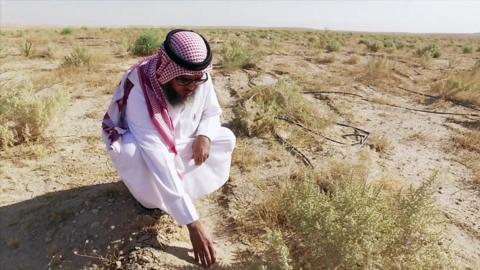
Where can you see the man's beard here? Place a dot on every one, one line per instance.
(172, 96)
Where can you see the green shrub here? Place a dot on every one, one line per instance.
(25, 115)
(355, 226)
(236, 55)
(467, 49)
(77, 58)
(333, 45)
(146, 44)
(431, 50)
(372, 44)
(66, 31)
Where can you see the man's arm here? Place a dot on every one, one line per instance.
(208, 126)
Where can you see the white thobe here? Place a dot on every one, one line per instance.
(149, 169)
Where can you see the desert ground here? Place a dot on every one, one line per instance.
(354, 150)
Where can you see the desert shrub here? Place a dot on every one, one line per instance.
(357, 226)
(258, 110)
(78, 57)
(27, 48)
(66, 31)
(388, 43)
(24, 115)
(467, 49)
(333, 45)
(146, 44)
(431, 50)
(373, 45)
(378, 68)
(462, 87)
(236, 55)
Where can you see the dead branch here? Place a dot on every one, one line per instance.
(406, 108)
(418, 93)
(331, 92)
(294, 151)
(288, 120)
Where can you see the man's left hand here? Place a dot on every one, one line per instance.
(200, 149)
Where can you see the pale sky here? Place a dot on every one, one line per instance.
(385, 16)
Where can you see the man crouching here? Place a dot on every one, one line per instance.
(162, 130)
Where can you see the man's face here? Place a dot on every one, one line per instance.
(186, 85)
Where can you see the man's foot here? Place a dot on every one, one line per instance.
(150, 210)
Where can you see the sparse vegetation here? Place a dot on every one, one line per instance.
(372, 44)
(78, 57)
(146, 44)
(66, 31)
(380, 144)
(352, 212)
(27, 48)
(236, 55)
(467, 49)
(355, 226)
(430, 51)
(258, 111)
(378, 68)
(463, 87)
(24, 115)
(333, 45)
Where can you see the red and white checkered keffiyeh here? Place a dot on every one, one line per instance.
(160, 69)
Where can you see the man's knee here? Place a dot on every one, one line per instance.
(227, 136)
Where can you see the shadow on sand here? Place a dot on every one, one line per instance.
(75, 228)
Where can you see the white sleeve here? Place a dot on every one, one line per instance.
(210, 120)
(159, 160)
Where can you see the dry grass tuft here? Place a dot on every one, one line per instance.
(245, 156)
(463, 87)
(258, 110)
(378, 71)
(380, 143)
(78, 57)
(468, 141)
(25, 115)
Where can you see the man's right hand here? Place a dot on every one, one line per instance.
(202, 244)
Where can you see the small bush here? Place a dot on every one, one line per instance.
(236, 55)
(431, 50)
(463, 87)
(79, 57)
(357, 226)
(372, 45)
(333, 45)
(258, 111)
(467, 49)
(378, 68)
(146, 44)
(66, 31)
(24, 115)
(27, 48)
